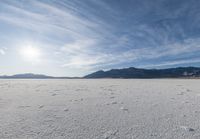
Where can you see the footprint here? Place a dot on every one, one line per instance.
(184, 115)
(124, 109)
(181, 93)
(153, 135)
(66, 110)
(187, 128)
(24, 106)
(57, 90)
(196, 111)
(110, 134)
(155, 105)
(114, 102)
(40, 107)
(76, 100)
(188, 90)
(186, 102)
(53, 94)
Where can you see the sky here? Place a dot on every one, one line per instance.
(77, 37)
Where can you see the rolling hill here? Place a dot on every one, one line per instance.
(132, 72)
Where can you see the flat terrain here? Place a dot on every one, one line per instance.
(100, 109)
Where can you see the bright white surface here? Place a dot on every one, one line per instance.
(100, 109)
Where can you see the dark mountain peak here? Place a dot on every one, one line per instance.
(100, 71)
(133, 72)
(97, 74)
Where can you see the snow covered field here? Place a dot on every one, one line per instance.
(100, 109)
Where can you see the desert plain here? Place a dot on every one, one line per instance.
(100, 109)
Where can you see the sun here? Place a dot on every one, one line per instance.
(30, 53)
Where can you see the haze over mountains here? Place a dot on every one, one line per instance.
(131, 72)
(32, 76)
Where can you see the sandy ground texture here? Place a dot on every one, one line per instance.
(100, 109)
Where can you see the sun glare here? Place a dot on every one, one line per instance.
(30, 53)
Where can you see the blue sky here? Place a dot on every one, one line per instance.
(76, 37)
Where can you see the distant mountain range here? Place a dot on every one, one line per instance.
(33, 76)
(180, 72)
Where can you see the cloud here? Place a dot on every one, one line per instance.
(52, 19)
(104, 34)
(79, 46)
(2, 52)
(171, 63)
(81, 55)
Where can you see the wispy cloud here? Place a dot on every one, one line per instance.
(172, 63)
(103, 34)
(52, 19)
